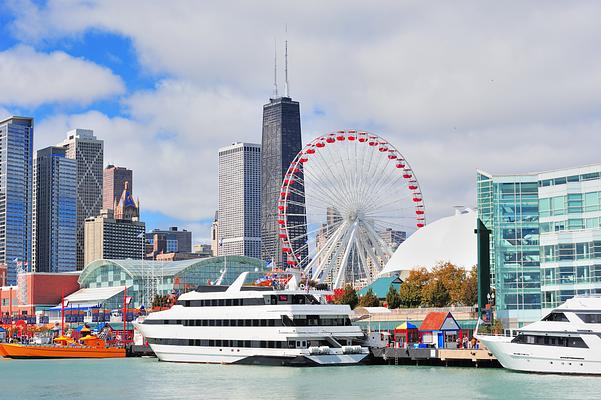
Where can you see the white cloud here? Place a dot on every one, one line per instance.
(30, 78)
(170, 140)
(455, 86)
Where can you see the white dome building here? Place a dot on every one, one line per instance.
(450, 239)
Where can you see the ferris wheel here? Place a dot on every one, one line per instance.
(346, 201)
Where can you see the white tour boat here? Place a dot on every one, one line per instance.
(566, 341)
(251, 325)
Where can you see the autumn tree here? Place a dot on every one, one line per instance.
(369, 299)
(349, 296)
(435, 294)
(469, 288)
(393, 298)
(410, 292)
(452, 278)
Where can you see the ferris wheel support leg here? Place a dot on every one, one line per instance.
(333, 264)
(324, 248)
(370, 252)
(361, 249)
(329, 248)
(347, 251)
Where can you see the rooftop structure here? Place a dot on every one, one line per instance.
(449, 239)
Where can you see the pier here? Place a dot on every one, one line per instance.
(432, 356)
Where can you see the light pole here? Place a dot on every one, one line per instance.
(490, 297)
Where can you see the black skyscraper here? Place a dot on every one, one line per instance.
(281, 141)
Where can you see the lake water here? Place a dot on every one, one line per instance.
(147, 378)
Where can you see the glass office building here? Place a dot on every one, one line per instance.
(545, 238)
(54, 211)
(16, 173)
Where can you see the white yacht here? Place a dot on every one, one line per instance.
(566, 341)
(251, 325)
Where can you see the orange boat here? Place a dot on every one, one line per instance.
(65, 347)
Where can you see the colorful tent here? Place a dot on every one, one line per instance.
(406, 333)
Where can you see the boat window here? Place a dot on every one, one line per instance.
(228, 302)
(218, 322)
(291, 344)
(590, 318)
(547, 340)
(556, 317)
(211, 322)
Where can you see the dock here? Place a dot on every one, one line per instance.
(432, 356)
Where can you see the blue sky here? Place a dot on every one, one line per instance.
(506, 88)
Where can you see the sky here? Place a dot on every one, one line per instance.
(506, 87)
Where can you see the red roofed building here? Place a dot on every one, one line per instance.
(440, 329)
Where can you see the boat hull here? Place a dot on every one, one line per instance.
(244, 356)
(542, 359)
(19, 351)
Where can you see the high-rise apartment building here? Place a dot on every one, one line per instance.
(54, 211)
(82, 146)
(240, 200)
(545, 238)
(114, 180)
(110, 238)
(16, 176)
(281, 141)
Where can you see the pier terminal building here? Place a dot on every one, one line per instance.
(102, 281)
(545, 241)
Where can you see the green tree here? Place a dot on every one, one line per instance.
(369, 299)
(349, 296)
(410, 292)
(393, 298)
(435, 294)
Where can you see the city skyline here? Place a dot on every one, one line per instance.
(426, 83)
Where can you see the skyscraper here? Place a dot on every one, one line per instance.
(16, 173)
(114, 179)
(54, 211)
(281, 141)
(240, 200)
(82, 146)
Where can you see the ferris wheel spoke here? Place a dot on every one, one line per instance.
(332, 182)
(320, 186)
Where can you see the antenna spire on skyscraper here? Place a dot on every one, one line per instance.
(286, 87)
(275, 69)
